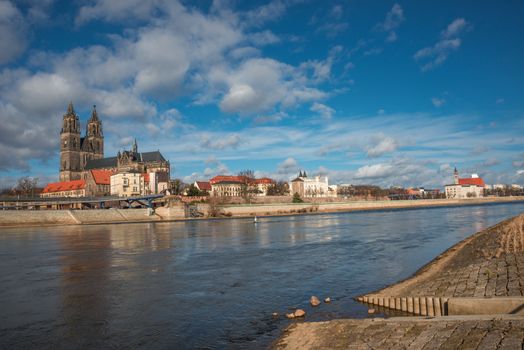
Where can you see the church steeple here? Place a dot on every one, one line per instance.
(456, 176)
(94, 115)
(70, 145)
(70, 123)
(135, 147)
(70, 108)
(94, 125)
(93, 143)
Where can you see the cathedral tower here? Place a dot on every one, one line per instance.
(456, 176)
(93, 142)
(70, 146)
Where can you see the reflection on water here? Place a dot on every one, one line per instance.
(211, 284)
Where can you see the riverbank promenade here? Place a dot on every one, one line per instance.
(469, 297)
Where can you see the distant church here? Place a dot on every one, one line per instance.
(79, 155)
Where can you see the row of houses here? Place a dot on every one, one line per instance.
(100, 183)
(236, 186)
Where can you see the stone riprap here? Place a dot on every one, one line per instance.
(504, 332)
(482, 277)
(488, 264)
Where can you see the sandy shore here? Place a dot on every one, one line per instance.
(467, 292)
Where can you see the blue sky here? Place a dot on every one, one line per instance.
(383, 92)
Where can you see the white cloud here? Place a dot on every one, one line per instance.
(323, 110)
(490, 162)
(438, 102)
(227, 141)
(271, 11)
(332, 21)
(265, 37)
(374, 171)
(450, 41)
(259, 85)
(393, 19)
(381, 144)
(288, 166)
(109, 10)
(13, 31)
(455, 28)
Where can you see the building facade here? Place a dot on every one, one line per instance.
(98, 183)
(74, 188)
(236, 186)
(469, 187)
(82, 158)
(76, 151)
(128, 184)
(312, 187)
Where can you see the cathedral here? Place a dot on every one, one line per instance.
(76, 151)
(79, 155)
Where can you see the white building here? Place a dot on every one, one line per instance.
(312, 187)
(157, 182)
(470, 187)
(128, 184)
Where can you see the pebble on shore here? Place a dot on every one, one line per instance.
(327, 300)
(314, 301)
(291, 315)
(299, 313)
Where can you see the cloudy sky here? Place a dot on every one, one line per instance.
(383, 92)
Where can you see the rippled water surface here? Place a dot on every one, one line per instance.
(210, 284)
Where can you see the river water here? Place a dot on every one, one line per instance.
(211, 283)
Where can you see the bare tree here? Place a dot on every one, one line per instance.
(177, 186)
(26, 186)
(280, 188)
(248, 186)
(215, 209)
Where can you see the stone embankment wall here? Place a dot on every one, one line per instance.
(178, 211)
(290, 208)
(74, 217)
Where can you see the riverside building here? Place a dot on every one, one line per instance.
(235, 186)
(312, 187)
(469, 187)
(82, 158)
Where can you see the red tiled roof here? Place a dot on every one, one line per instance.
(203, 185)
(264, 180)
(102, 177)
(64, 186)
(476, 181)
(226, 178)
(238, 179)
(413, 191)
